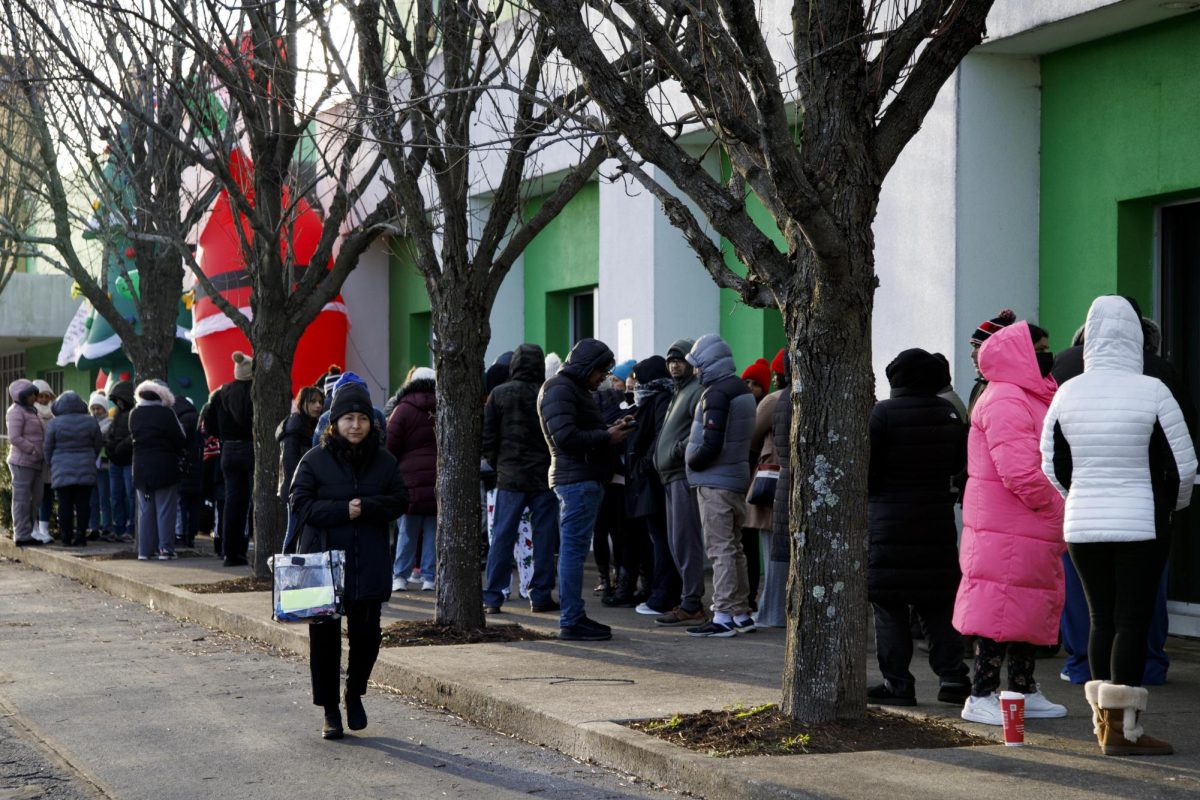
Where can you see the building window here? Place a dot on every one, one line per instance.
(54, 377)
(12, 367)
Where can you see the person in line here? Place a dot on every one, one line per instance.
(1075, 624)
(26, 456)
(412, 440)
(718, 465)
(758, 380)
(345, 379)
(1116, 445)
(612, 529)
(294, 435)
(514, 445)
(231, 419)
(1011, 592)
(191, 480)
(759, 517)
(119, 448)
(72, 444)
(581, 452)
(772, 610)
(100, 518)
(345, 495)
(684, 533)
(645, 501)
(44, 406)
(918, 443)
(158, 448)
(985, 330)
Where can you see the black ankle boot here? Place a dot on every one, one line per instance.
(623, 597)
(604, 587)
(333, 723)
(356, 715)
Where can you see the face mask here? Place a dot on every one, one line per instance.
(1045, 363)
(629, 400)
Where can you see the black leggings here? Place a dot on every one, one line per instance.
(1120, 581)
(990, 654)
(325, 652)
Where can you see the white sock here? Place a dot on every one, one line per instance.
(744, 619)
(722, 617)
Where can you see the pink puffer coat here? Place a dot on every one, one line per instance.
(26, 432)
(1012, 574)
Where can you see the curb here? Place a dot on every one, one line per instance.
(602, 742)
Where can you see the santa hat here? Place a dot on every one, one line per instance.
(990, 326)
(760, 373)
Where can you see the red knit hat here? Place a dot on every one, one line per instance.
(760, 373)
(779, 363)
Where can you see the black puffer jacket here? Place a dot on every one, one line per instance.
(294, 435)
(643, 488)
(322, 488)
(570, 419)
(918, 443)
(193, 472)
(231, 413)
(512, 436)
(158, 438)
(412, 439)
(117, 443)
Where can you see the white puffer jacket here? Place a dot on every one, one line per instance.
(1114, 437)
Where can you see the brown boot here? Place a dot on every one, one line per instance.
(1120, 725)
(1091, 690)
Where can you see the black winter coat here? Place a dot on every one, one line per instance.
(412, 440)
(231, 413)
(580, 448)
(294, 435)
(512, 436)
(918, 444)
(192, 481)
(322, 488)
(117, 443)
(644, 494)
(158, 446)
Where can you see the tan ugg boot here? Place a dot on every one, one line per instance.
(1120, 726)
(1091, 690)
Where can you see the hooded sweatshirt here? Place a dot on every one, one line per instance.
(1010, 555)
(572, 426)
(512, 437)
(26, 431)
(1115, 442)
(72, 443)
(672, 440)
(718, 449)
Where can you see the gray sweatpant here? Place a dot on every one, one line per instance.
(685, 537)
(27, 490)
(156, 521)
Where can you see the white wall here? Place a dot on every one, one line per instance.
(508, 314)
(367, 345)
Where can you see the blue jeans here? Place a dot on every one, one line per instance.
(101, 518)
(413, 526)
(543, 512)
(578, 505)
(120, 486)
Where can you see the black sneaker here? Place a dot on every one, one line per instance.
(954, 693)
(356, 715)
(489, 610)
(882, 695)
(745, 626)
(29, 543)
(544, 608)
(585, 630)
(236, 561)
(713, 629)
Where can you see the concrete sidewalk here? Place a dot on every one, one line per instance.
(571, 696)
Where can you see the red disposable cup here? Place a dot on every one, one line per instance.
(1012, 710)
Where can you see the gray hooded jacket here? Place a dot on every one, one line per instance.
(672, 440)
(718, 450)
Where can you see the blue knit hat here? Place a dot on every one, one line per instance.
(624, 369)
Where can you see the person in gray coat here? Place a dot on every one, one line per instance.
(718, 465)
(685, 538)
(71, 445)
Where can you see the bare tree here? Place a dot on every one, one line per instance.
(16, 202)
(475, 83)
(812, 111)
(250, 79)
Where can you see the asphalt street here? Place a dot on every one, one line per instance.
(102, 697)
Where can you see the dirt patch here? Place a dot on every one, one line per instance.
(425, 633)
(231, 586)
(764, 730)
(130, 555)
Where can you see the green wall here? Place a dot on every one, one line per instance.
(562, 260)
(1120, 118)
(752, 333)
(44, 358)
(409, 319)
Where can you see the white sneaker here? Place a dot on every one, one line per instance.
(426, 586)
(648, 611)
(41, 532)
(1038, 707)
(399, 585)
(983, 709)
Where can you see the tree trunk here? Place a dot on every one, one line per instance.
(271, 390)
(833, 391)
(160, 282)
(462, 332)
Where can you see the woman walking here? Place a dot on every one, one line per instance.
(411, 440)
(72, 443)
(26, 440)
(1012, 586)
(345, 494)
(158, 450)
(1139, 468)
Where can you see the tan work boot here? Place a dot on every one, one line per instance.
(1120, 726)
